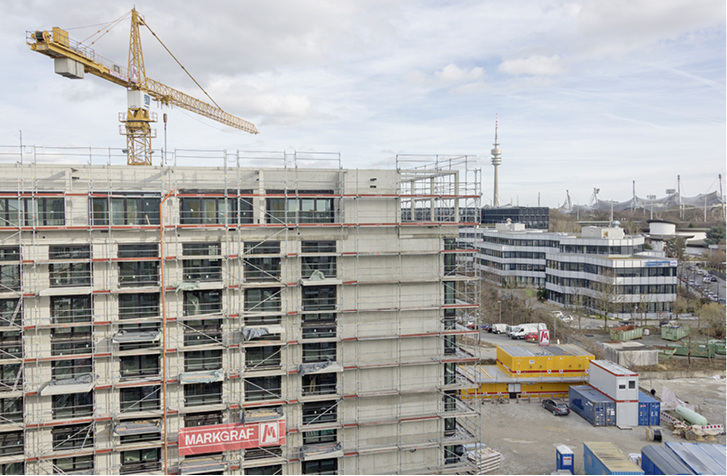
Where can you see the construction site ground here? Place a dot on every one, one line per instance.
(527, 435)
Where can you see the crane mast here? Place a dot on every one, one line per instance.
(73, 59)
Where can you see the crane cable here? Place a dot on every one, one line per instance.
(181, 66)
(110, 26)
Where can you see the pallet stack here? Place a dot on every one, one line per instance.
(487, 460)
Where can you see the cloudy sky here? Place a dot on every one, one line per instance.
(588, 93)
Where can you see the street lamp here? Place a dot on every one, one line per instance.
(499, 303)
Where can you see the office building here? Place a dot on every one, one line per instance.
(600, 270)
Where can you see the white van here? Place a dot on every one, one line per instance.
(499, 328)
(526, 329)
(512, 329)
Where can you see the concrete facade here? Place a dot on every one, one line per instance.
(294, 295)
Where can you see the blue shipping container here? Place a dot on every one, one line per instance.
(603, 457)
(699, 457)
(595, 407)
(657, 459)
(649, 410)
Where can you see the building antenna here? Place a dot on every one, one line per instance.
(496, 161)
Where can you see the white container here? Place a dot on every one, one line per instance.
(618, 383)
(627, 413)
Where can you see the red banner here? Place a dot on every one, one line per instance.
(212, 438)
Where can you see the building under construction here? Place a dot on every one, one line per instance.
(263, 314)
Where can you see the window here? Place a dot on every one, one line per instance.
(215, 210)
(74, 465)
(319, 325)
(264, 470)
(320, 436)
(11, 443)
(450, 454)
(69, 274)
(202, 331)
(69, 252)
(202, 270)
(262, 300)
(72, 436)
(11, 409)
(70, 368)
(300, 209)
(318, 384)
(202, 360)
(449, 292)
(135, 306)
(139, 250)
(136, 366)
(263, 452)
(262, 269)
(262, 247)
(72, 405)
(11, 345)
(315, 413)
(142, 437)
(36, 211)
(450, 426)
(259, 358)
(11, 377)
(319, 298)
(71, 340)
(139, 399)
(318, 247)
(321, 466)
(9, 277)
(262, 388)
(139, 273)
(202, 419)
(201, 249)
(70, 309)
(202, 302)
(319, 352)
(450, 375)
(202, 394)
(632, 384)
(322, 266)
(12, 468)
(141, 461)
(11, 312)
(125, 209)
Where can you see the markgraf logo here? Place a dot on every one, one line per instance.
(269, 433)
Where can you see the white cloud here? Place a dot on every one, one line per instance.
(454, 74)
(533, 66)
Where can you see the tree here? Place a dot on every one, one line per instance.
(715, 235)
(711, 317)
(609, 298)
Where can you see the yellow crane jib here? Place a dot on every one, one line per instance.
(72, 60)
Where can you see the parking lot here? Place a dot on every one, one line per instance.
(526, 435)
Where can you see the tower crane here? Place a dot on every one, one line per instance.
(73, 59)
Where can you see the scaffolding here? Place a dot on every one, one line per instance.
(262, 286)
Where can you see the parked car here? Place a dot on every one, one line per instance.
(532, 337)
(499, 328)
(470, 324)
(486, 327)
(556, 407)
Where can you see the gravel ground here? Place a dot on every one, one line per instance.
(527, 435)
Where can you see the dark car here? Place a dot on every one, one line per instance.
(486, 327)
(556, 407)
